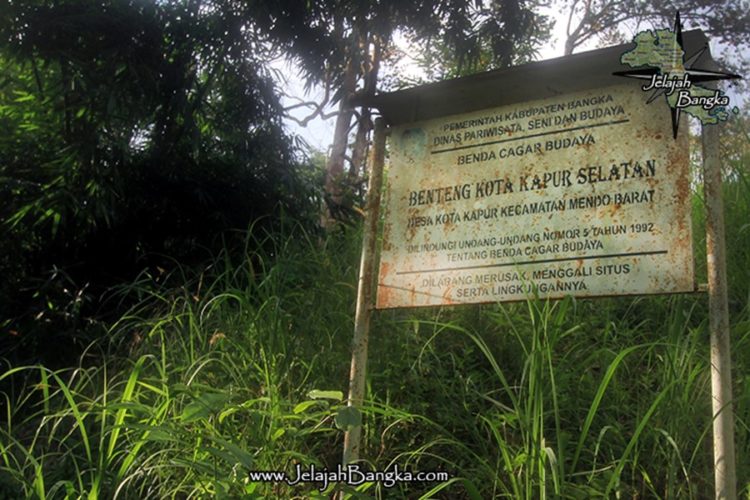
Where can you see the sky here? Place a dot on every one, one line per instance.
(319, 132)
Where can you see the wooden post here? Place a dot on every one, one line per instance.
(721, 376)
(358, 368)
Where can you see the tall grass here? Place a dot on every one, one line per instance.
(545, 401)
(215, 383)
(241, 366)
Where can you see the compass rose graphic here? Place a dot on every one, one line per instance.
(680, 69)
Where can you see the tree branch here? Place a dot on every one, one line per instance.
(306, 120)
(317, 106)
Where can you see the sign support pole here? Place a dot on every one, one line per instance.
(363, 313)
(725, 479)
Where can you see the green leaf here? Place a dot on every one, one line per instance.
(55, 223)
(24, 97)
(160, 434)
(276, 435)
(317, 394)
(303, 406)
(239, 454)
(469, 486)
(203, 406)
(348, 417)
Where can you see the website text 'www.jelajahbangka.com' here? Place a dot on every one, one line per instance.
(352, 475)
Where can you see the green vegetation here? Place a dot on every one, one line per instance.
(240, 366)
(146, 135)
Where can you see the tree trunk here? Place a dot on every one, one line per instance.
(359, 151)
(569, 45)
(335, 166)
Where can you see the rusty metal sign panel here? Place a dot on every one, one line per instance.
(584, 194)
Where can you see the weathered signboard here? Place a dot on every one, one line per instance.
(584, 194)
